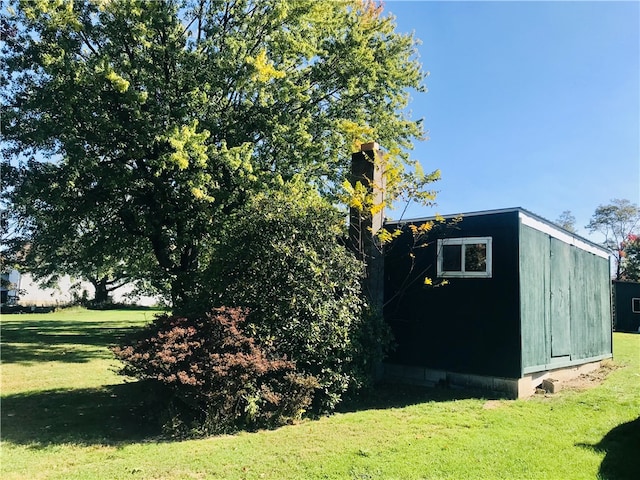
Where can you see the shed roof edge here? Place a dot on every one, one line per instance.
(528, 218)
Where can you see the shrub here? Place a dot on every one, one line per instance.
(221, 379)
(282, 257)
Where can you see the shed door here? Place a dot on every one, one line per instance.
(560, 299)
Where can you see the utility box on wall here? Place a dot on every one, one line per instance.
(525, 300)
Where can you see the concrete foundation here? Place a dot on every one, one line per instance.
(507, 387)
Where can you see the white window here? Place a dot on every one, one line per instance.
(468, 257)
(635, 305)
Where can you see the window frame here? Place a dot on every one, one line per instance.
(633, 305)
(463, 241)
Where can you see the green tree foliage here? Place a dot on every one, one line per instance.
(7, 261)
(171, 114)
(282, 259)
(567, 221)
(616, 221)
(631, 259)
(54, 234)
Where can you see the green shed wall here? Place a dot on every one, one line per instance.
(565, 302)
(626, 320)
(471, 325)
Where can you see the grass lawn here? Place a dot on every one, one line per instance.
(67, 415)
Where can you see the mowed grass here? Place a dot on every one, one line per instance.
(66, 414)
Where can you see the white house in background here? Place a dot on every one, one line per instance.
(24, 290)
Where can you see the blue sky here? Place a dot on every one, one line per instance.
(530, 104)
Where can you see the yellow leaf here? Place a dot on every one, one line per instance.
(265, 70)
(425, 227)
(119, 83)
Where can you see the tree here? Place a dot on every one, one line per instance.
(8, 252)
(6, 228)
(567, 221)
(616, 221)
(171, 114)
(631, 259)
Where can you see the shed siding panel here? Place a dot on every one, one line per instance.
(590, 306)
(606, 314)
(560, 298)
(534, 296)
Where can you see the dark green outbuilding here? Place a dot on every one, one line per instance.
(626, 298)
(525, 301)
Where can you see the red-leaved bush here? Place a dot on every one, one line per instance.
(221, 378)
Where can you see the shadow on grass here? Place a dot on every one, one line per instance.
(131, 412)
(58, 340)
(394, 395)
(622, 447)
(113, 414)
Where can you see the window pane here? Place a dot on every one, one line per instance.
(635, 305)
(452, 258)
(475, 257)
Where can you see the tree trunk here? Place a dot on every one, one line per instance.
(180, 298)
(102, 291)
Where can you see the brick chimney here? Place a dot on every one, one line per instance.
(367, 168)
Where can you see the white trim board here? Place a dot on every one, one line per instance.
(561, 235)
